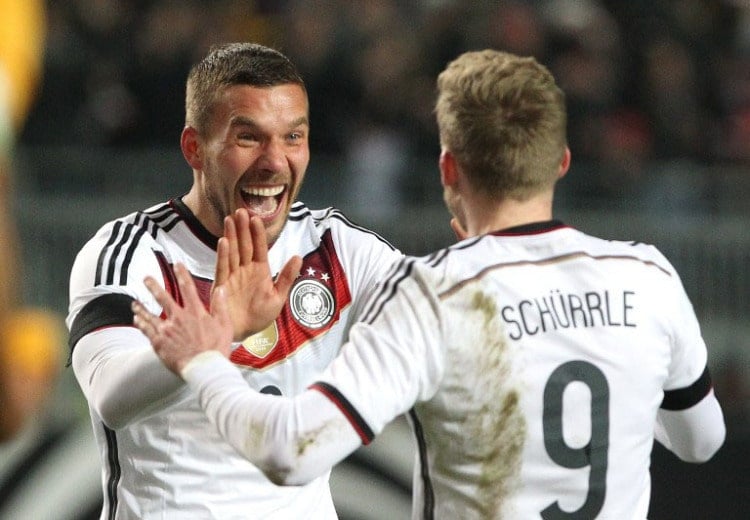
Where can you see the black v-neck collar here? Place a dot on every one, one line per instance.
(198, 229)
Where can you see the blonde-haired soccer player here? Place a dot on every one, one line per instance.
(535, 362)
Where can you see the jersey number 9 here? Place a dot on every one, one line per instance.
(593, 454)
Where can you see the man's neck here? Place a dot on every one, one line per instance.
(491, 216)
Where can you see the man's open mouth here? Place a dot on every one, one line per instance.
(263, 201)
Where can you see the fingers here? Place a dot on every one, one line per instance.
(245, 243)
(144, 320)
(220, 307)
(163, 298)
(222, 262)
(230, 233)
(246, 238)
(190, 298)
(259, 245)
(288, 274)
(189, 292)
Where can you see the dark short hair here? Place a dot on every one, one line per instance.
(234, 64)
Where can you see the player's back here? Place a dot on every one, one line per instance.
(558, 348)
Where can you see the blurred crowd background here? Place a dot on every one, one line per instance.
(651, 84)
(658, 94)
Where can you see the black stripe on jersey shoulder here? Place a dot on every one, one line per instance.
(334, 213)
(103, 253)
(342, 403)
(104, 311)
(164, 217)
(436, 258)
(142, 225)
(684, 398)
(299, 211)
(338, 215)
(399, 272)
(116, 255)
(160, 212)
(428, 512)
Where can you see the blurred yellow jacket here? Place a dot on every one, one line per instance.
(23, 27)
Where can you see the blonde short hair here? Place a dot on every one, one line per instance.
(503, 117)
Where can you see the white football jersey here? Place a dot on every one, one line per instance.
(161, 457)
(538, 358)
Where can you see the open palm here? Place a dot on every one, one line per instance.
(253, 297)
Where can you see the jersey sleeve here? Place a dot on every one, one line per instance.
(114, 262)
(690, 421)
(115, 366)
(689, 355)
(292, 440)
(693, 434)
(392, 360)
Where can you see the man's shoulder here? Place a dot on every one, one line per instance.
(121, 238)
(321, 218)
(334, 222)
(147, 222)
(643, 252)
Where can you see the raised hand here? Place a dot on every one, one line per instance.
(253, 298)
(188, 330)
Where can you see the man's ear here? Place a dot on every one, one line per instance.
(191, 147)
(564, 163)
(448, 168)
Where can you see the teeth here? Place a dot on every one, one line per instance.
(259, 191)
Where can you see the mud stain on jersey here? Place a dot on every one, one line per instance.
(330, 430)
(326, 434)
(482, 425)
(500, 423)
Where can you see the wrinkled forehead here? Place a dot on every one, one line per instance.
(278, 108)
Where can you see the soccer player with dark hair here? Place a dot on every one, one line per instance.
(246, 140)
